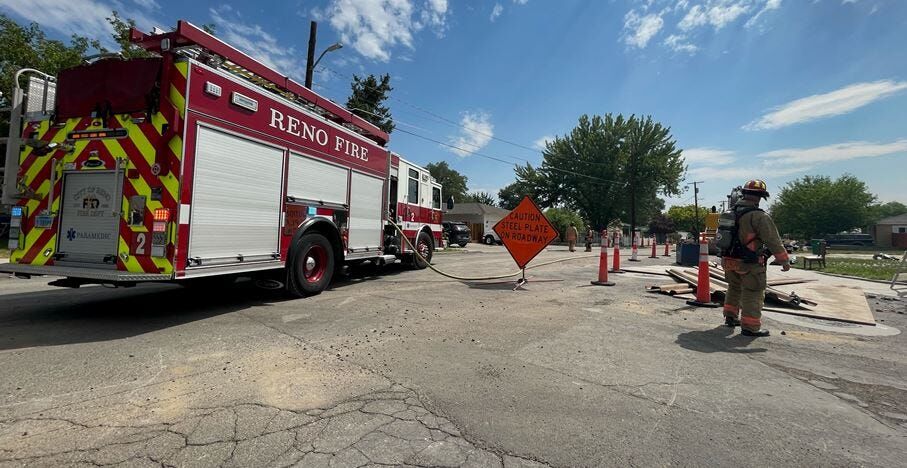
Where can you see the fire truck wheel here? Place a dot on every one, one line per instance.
(313, 265)
(426, 248)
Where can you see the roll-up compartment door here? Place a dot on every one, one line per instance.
(310, 179)
(236, 199)
(366, 222)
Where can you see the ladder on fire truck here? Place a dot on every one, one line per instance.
(193, 42)
(35, 102)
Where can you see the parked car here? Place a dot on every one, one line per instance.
(491, 238)
(457, 233)
(849, 239)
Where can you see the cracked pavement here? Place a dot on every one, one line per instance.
(405, 368)
(385, 427)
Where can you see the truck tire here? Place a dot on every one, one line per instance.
(312, 266)
(426, 247)
(489, 240)
(462, 244)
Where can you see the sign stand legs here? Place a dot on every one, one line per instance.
(520, 282)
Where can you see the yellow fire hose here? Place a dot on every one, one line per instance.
(480, 278)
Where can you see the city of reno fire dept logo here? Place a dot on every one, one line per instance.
(90, 202)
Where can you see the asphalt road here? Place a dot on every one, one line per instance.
(394, 366)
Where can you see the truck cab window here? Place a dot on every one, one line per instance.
(412, 195)
(436, 198)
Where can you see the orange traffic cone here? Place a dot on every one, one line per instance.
(635, 249)
(667, 248)
(654, 245)
(603, 269)
(703, 289)
(615, 268)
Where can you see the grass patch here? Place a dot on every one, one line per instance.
(897, 252)
(862, 268)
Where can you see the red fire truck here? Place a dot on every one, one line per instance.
(202, 162)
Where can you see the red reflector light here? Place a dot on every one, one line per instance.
(162, 214)
(159, 226)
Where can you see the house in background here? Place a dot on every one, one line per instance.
(891, 232)
(480, 218)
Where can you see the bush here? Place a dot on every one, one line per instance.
(561, 219)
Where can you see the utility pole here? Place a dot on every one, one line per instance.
(310, 57)
(696, 204)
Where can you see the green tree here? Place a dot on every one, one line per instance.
(121, 28)
(482, 197)
(661, 224)
(561, 219)
(453, 184)
(813, 206)
(684, 217)
(529, 183)
(28, 47)
(885, 210)
(608, 167)
(368, 94)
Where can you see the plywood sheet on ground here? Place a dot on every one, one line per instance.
(838, 302)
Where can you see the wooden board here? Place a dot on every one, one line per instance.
(841, 303)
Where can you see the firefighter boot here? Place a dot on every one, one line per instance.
(731, 322)
(757, 334)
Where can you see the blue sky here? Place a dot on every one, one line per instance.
(774, 89)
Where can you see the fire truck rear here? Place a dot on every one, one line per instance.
(202, 163)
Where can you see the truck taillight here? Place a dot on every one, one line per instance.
(17, 214)
(162, 214)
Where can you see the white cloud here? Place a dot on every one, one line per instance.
(496, 11)
(83, 17)
(638, 30)
(542, 142)
(375, 27)
(836, 152)
(476, 133)
(256, 42)
(786, 161)
(148, 4)
(738, 174)
(817, 106)
(521, 2)
(769, 6)
(718, 13)
(707, 156)
(679, 43)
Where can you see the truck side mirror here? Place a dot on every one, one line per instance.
(450, 203)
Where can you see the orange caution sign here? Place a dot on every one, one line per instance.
(525, 232)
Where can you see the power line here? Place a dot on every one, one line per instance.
(454, 123)
(442, 118)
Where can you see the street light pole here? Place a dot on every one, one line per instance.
(310, 63)
(310, 57)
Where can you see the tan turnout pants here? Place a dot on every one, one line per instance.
(745, 294)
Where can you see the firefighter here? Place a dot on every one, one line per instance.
(745, 263)
(590, 235)
(571, 236)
